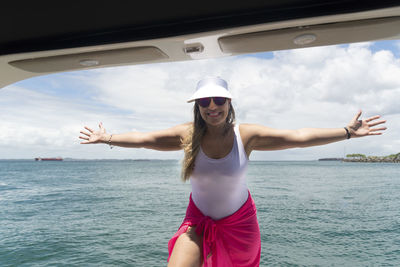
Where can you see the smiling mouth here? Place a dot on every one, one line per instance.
(214, 114)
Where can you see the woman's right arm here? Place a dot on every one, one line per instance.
(163, 140)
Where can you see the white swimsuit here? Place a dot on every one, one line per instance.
(219, 185)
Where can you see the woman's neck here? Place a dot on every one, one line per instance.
(217, 130)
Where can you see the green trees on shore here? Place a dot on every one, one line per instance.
(364, 158)
(393, 156)
(357, 156)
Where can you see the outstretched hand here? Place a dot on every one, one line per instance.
(93, 137)
(359, 128)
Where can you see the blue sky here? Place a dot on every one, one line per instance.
(312, 87)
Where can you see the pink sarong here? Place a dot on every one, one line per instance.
(231, 241)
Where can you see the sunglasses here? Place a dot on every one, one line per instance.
(205, 102)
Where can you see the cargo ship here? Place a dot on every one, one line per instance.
(48, 159)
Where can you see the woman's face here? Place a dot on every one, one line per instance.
(214, 114)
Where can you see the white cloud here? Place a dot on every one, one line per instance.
(314, 87)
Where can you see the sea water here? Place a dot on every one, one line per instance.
(122, 213)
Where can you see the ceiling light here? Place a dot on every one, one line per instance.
(304, 39)
(89, 62)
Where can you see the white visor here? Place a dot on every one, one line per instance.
(211, 87)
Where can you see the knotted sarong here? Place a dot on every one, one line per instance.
(227, 242)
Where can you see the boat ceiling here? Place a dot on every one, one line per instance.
(31, 26)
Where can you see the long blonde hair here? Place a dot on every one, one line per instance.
(191, 143)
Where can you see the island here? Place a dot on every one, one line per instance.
(394, 158)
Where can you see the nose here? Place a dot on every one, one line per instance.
(212, 104)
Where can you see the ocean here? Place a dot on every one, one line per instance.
(122, 213)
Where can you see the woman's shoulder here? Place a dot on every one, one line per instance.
(247, 127)
(250, 126)
(183, 129)
(186, 125)
(250, 130)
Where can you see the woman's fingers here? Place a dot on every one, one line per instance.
(85, 133)
(357, 115)
(90, 136)
(90, 130)
(84, 138)
(372, 118)
(378, 129)
(376, 123)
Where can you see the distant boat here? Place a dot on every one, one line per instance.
(48, 159)
(331, 159)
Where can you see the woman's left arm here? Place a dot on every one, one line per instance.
(263, 138)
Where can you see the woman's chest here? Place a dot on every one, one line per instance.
(217, 149)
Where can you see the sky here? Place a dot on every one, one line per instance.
(320, 87)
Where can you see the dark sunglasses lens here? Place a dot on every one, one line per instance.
(219, 100)
(204, 102)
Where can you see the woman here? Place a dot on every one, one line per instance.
(220, 227)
